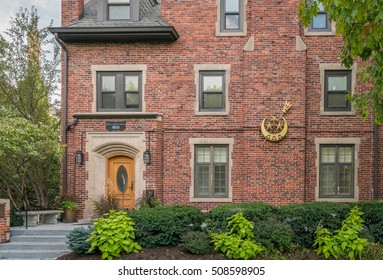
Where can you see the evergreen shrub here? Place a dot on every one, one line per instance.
(273, 234)
(164, 225)
(77, 240)
(304, 219)
(196, 242)
(252, 211)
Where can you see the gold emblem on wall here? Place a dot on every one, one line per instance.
(275, 128)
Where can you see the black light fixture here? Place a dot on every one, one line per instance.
(79, 157)
(147, 156)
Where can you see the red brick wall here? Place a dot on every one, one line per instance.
(71, 10)
(260, 83)
(5, 222)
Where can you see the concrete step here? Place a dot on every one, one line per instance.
(27, 232)
(34, 246)
(31, 254)
(39, 238)
(43, 242)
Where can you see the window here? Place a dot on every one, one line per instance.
(119, 91)
(337, 85)
(211, 171)
(212, 91)
(320, 22)
(118, 9)
(231, 19)
(336, 173)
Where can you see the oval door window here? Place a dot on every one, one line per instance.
(122, 179)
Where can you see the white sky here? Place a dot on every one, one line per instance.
(46, 9)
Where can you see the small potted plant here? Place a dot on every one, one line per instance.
(69, 208)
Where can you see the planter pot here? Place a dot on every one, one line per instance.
(69, 216)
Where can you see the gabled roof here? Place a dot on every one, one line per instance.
(151, 26)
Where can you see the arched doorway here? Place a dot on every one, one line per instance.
(120, 180)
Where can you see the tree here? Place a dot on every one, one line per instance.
(30, 149)
(29, 160)
(361, 25)
(28, 68)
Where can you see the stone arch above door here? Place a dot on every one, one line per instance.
(101, 146)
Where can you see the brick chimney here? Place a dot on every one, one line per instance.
(71, 10)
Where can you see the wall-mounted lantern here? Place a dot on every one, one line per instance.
(79, 157)
(147, 158)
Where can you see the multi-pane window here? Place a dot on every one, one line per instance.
(320, 22)
(118, 9)
(231, 16)
(336, 172)
(337, 85)
(211, 171)
(212, 91)
(119, 91)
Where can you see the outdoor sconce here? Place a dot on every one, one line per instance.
(79, 157)
(147, 157)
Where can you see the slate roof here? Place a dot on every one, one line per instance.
(150, 15)
(151, 26)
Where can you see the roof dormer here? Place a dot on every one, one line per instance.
(118, 10)
(115, 21)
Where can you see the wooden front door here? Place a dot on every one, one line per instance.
(120, 180)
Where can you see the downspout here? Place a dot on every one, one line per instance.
(376, 159)
(64, 114)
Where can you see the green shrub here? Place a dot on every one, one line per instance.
(373, 217)
(196, 242)
(305, 217)
(252, 211)
(238, 243)
(346, 243)
(273, 234)
(77, 240)
(148, 202)
(16, 220)
(164, 225)
(113, 234)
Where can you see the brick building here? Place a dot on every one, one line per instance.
(180, 99)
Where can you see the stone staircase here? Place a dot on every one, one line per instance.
(43, 242)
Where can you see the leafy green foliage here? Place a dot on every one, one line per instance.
(238, 242)
(30, 156)
(346, 242)
(29, 137)
(77, 240)
(361, 26)
(148, 202)
(273, 234)
(304, 218)
(254, 212)
(164, 225)
(373, 217)
(196, 242)
(113, 234)
(69, 205)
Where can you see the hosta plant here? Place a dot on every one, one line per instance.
(346, 242)
(238, 243)
(113, 234)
